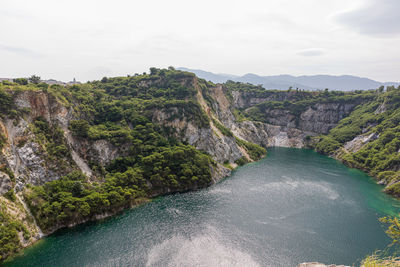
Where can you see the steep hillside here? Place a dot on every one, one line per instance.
(359, 128)
(290, 118)
(369, 139)
(81, 152)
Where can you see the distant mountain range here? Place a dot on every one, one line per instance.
(283, 82)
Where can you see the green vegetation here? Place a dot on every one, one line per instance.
(297, 102)
(8, 172)
(9, 228)
(79, 128)
(152, 161)
(225, 131)
(248, 87)
(21, 81)
(7, 106)
(239, 117)
(379, 119)
(72, 199)
(3, 140)
(53, 145)
(327, 145)
(10, 195)
(376, 261)
(34, 79)
(241, 161)
(382, 259)
(255, 152)
(51, 137)
(134, 114)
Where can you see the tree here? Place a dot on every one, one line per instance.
(79, 127)
(390, 88)
(381, 88)
(34, 79)
(393, 230)
(21, 81)
(153, 71)
(44, 86)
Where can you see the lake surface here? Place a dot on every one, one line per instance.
(293, 206)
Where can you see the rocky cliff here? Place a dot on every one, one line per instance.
(272, 118)
(368, 139)
(128, 133)
(37, 147)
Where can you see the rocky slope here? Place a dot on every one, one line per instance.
(37, 147)
(368, 139)
(126, 134)
(269, 124)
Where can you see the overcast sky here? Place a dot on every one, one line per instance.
(89, 39)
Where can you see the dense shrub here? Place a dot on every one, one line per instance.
(79, 128)
(380, 155)
(21, 81)
(255, 152)
(9, 228)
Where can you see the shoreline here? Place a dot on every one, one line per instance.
(109, 215)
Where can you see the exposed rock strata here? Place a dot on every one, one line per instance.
(23, 154)
(359, 141)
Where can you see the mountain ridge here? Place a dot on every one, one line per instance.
(306, 82)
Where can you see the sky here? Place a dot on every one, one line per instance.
(90, 39)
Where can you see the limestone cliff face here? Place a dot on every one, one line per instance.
(224, 149)
(318, 118)
(281, 126)
(281, 129)
(243, 99)
(208, 139)
(23, 153)
(23, 159)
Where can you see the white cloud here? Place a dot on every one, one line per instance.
(374, 17)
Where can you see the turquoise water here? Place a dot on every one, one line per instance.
(293, 206)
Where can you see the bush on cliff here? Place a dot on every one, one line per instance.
(378, 120)
(72, 199)
(9, 228)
